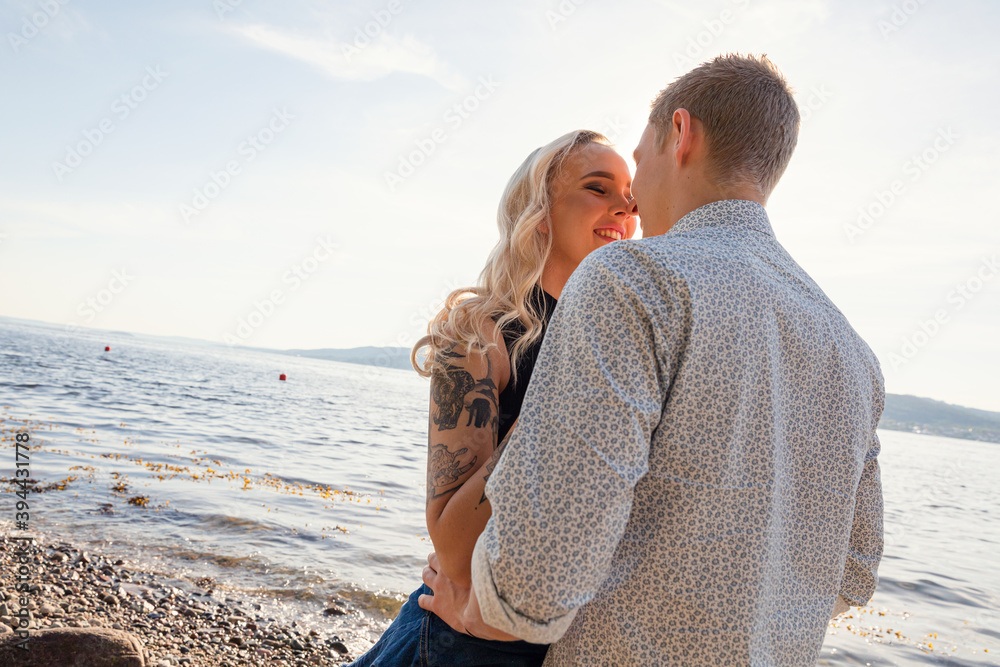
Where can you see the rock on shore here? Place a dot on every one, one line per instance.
(94, 647)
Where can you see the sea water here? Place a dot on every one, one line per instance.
(196, 460)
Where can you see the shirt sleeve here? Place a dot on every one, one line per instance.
(865, 548)
(562, 493)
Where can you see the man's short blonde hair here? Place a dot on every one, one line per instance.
(750, 118)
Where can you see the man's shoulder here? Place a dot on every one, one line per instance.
(660, 250)
(657, 259)
(629, 262)
(631, 274)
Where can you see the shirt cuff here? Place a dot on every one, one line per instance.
(499, 614)
(840, 606)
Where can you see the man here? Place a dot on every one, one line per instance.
(694, 478)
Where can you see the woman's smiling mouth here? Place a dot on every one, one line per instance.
(610, 233)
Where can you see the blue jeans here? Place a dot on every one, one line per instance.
(418, 638)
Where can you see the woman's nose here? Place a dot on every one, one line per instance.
(626, 206)
(630, 207)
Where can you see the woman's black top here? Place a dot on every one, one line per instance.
(513, 394)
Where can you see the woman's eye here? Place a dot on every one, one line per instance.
(596, 188)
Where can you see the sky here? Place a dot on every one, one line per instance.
(321, 174)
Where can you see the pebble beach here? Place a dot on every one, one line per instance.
(177, 622)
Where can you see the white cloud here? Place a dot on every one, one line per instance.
(384, 55)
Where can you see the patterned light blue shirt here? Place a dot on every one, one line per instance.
(694, 477)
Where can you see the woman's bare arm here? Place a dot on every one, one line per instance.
(462, 440)
(464, 518)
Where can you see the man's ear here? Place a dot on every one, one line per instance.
(687, 137)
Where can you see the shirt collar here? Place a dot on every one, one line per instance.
(730, 213)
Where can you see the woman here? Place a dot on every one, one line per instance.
(567, 199)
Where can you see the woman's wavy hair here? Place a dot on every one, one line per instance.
(514, 266)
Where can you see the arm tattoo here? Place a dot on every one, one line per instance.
(480, 412)
(444, 468)
(448, 391)
(452, 392)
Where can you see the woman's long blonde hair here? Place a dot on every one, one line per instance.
(514, 266)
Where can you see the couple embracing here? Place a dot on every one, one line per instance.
(693, 476)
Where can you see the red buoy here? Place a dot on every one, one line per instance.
(107, 348)
(282, 377)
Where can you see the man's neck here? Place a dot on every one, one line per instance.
(697, 197)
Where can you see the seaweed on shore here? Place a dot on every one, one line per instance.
(35, 486)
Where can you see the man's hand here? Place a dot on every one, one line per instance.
(455, 605)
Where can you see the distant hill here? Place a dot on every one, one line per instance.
(925, 415)
(383, 357)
